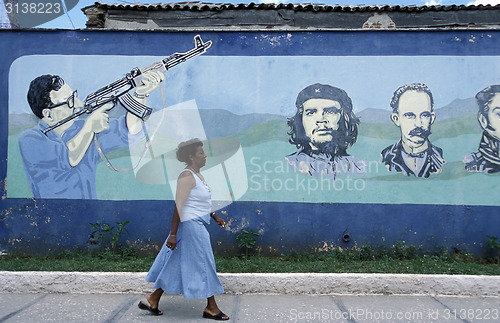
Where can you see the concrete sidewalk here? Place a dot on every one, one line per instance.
(283, 284)
(113, 297)
(67, 308)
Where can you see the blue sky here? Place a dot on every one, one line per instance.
(75, 19)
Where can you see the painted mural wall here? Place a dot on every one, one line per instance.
(386, 136)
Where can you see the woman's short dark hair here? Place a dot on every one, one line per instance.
(188, 148)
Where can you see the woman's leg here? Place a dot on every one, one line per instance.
(213, 309)
(154, 298)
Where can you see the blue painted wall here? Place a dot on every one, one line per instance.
(245, 88)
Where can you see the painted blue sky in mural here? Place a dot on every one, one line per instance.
(369, 80)
(75, 19)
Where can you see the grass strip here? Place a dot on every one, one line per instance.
(388, 265)
(107, 261)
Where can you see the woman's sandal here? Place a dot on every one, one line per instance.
(154, 311)
(218, 317)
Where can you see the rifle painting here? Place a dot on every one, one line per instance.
(61, 153)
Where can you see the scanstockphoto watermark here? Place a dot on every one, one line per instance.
(329, 315)
(364, 314)
(298, 182)
(266, 175)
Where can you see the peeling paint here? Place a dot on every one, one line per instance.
(242, 225)
(276, 41)
(325, 247)
(379, 21)
(13, 241)
(4, 196)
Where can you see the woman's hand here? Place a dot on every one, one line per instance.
(219, 221)
(172, 242)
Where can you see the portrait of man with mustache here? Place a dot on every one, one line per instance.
(323, 128)
(487, 158)
(412, 111)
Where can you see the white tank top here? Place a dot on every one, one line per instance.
(198, 202)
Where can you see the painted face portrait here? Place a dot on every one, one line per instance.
(487, 158)
(412, 112)
(65, 101)
(323, 128)
(491, 122)
(324, 121)
(414, 118)
(320, 119)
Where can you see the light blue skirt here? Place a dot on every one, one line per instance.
(190, 268)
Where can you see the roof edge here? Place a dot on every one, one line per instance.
(206, 6)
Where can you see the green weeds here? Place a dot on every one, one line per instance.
(106, 236)
(398, 258)
(247, 239)
(122, 259)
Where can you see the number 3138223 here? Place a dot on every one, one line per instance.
(33, 8)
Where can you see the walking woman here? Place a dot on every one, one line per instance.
(185, 264)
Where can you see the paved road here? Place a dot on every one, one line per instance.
(67, 308)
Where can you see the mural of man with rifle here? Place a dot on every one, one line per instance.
(61, 153)
(62, 163)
